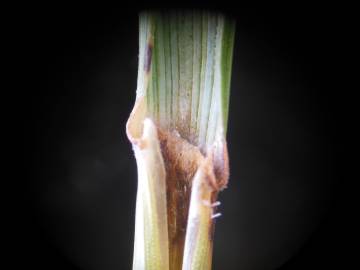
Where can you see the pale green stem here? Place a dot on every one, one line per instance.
(182, 97)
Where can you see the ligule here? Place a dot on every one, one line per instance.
(177, 129)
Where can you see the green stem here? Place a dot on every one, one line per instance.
(183, 95)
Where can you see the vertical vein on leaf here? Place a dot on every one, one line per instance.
(178, 27)
(208, 84)
(174, 67)
(215, 107)
(161, 71)
(167, 55)
(204, 49)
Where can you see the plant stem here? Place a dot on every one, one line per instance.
(178, 128)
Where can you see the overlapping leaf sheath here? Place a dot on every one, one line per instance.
(178, 128)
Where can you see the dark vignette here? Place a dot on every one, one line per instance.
(282, 208)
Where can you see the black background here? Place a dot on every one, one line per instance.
(283, 207)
